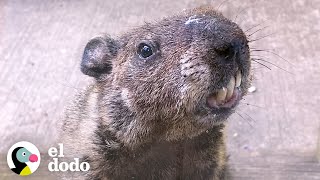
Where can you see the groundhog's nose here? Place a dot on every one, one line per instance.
(230, 51)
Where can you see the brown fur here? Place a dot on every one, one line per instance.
(147, 118)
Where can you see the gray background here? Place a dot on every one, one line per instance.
(41, 44)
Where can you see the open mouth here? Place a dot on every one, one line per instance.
(226, 97)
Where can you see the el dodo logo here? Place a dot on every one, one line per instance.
(55, 165)
(23, 158)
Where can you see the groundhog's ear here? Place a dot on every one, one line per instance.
(97, 56)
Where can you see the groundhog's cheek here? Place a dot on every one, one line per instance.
(125, 95)
(195, 85)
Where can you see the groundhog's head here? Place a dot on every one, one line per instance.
(171, 79)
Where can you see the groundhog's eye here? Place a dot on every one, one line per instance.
(144, 50)
(24, 154)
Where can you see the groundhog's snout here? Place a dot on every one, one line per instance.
(226, 55)
(232, 60)
(226, 39)
(231, 51)
(231, 54)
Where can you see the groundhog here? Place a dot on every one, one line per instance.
(161, 95)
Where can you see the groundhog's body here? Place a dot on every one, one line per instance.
(201, 157)
(161, 95)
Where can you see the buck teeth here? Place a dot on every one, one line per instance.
(238, 79)
(225, 93)
(222, 94)
(230, 87)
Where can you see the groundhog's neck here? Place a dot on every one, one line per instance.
(184, 159)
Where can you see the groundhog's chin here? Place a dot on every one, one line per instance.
(223, 99)
(220, 104)
(210, 116)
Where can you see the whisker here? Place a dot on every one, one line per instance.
(253, 120)
(258, 55)
(257, 68)
(260, 59)
(223, 2)
(257, 31)
(270, 51)
(253, 27)
(244, 119)
(239, 13)
(252, 105)
(262, 64)
(250, 41)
